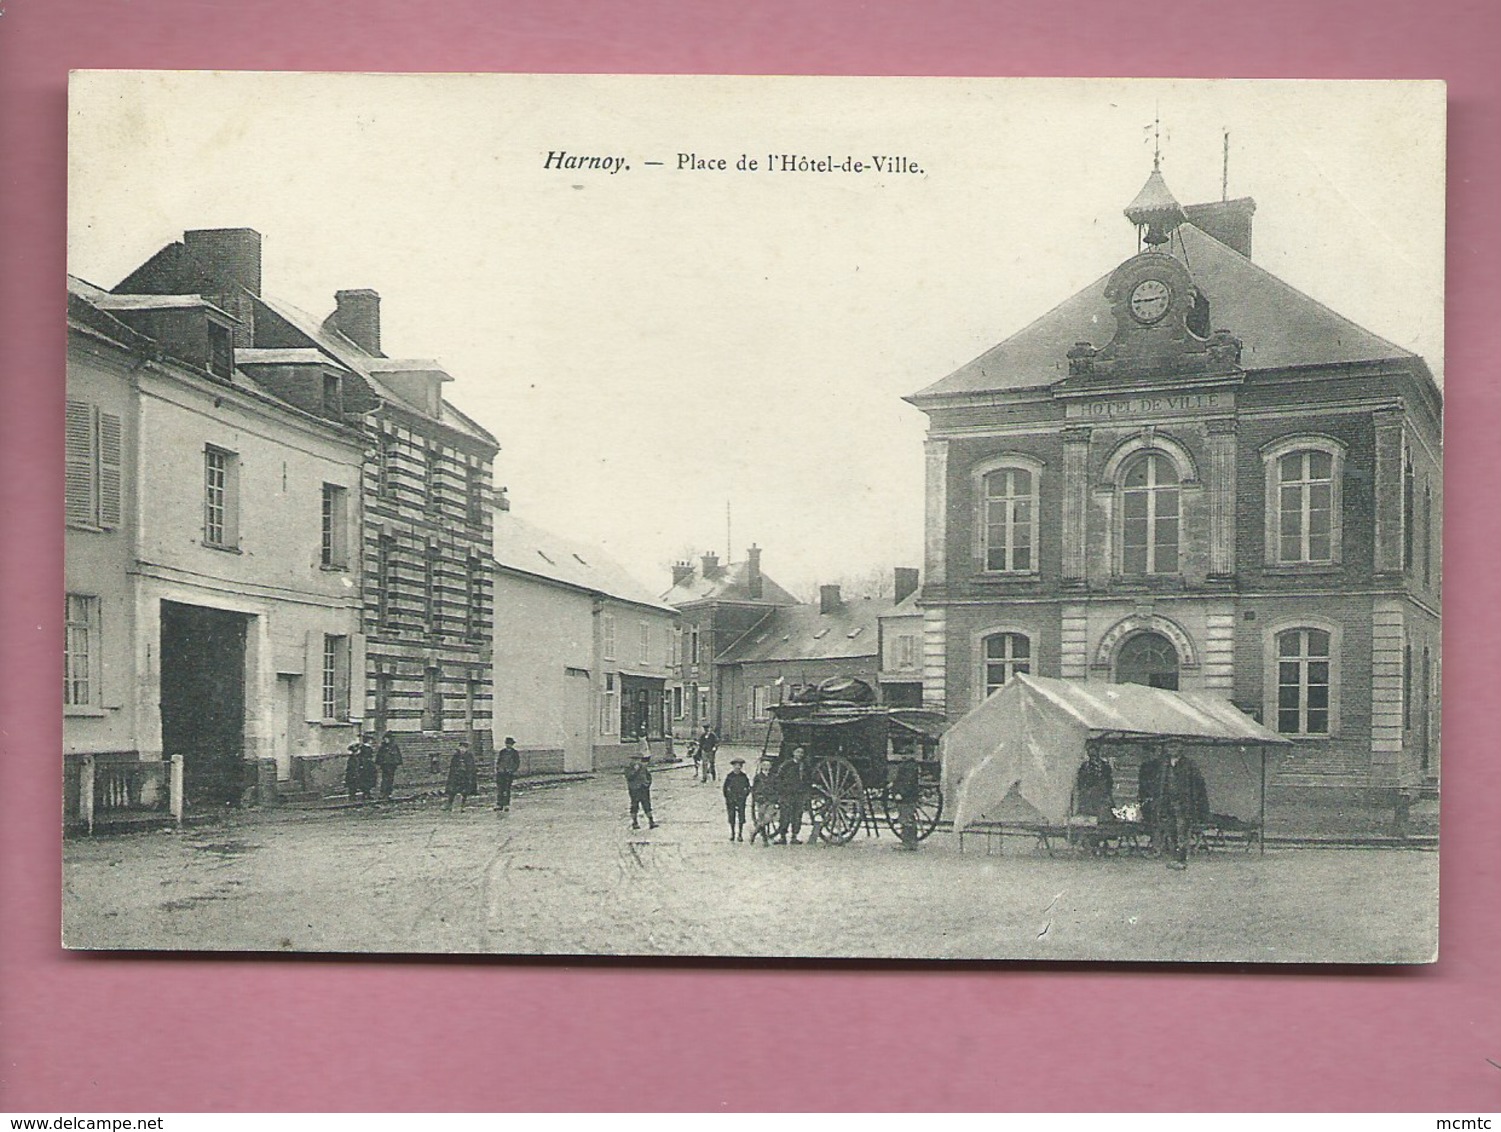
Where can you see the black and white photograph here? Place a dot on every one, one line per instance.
(754, 517)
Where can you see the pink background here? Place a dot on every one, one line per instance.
(91, 1033)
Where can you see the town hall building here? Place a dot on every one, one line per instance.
(1192, 476)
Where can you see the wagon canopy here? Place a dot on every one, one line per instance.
(1020, 749)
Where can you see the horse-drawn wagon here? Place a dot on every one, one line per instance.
(850, 745)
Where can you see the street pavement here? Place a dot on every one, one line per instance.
(563, 873)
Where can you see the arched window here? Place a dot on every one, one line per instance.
(1006, 654)
(1008, 517)
(1150, 659)
(1149, 514)
(1305, 681)
(1303, 501)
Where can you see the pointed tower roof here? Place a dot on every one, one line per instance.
(1157, 209)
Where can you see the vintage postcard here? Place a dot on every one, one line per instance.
(754, 517)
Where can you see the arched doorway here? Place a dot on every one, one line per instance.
(1147, 658)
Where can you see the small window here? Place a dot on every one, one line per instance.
(220, 350)
(385, 466)
(385, 581)
(333, 396)
(335, 553)
(1006, 654)
(430, 596)
(474, 596)
(607, 706)
(644, 655)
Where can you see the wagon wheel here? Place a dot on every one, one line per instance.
(929, 809)
(837, 799)
(766, 815)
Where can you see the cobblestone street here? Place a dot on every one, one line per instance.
(563, 873)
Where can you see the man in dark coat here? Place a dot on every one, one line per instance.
(638, 783)
(357, 769)
(1182, 801)
(387, 759)
(463, 777)
(905, 788)
(792, 782)
(708, 743)
(507, 763)
(737, 787)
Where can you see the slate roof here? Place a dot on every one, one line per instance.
(527, 549)
(368, 366)
(729, 582)
(801, 632)
(1278, 325)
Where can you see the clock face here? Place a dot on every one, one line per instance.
(1149, 300)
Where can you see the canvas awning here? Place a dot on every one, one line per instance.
(1023, 745)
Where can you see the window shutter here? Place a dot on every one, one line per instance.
(109, 470)
(79, 486)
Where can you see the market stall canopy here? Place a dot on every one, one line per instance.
(1020, 749)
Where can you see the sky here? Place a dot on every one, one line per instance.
(663, 348)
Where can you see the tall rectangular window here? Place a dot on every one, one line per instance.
(474, 599)
(474, 495)
(677, 703)
(430, 476)
(1427, 535)
(1010, 527)
(1305, 507)
(93, 482)
(385, 465)
(385, 580)
(335, 677)
(1303, 682)
(693, 645)
(220, 498)
(335, 526)
(1408, 511)
(432, 701)
(607, 706)
(645, 637)
(906, 651)
(80, 650)
(430, 589)
(607, 635)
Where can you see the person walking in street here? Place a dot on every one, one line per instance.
(638, 783)
(507, 763)
(463, 777)
(1182, 802)
(792, 795)
(356, 769)
(708, 744)
(387, 759)
(737, 787)
(906, 789)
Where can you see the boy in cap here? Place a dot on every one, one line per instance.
(638, 782)
(737, 788)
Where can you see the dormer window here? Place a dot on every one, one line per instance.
(333, 395)
(220, 350)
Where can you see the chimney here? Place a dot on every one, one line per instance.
(681, 572)
(358, 318)
(1228, 221)
(753, 572)
(906, 583)
(225, 258)
(828, 599)
(225, 265)
(711, 564)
